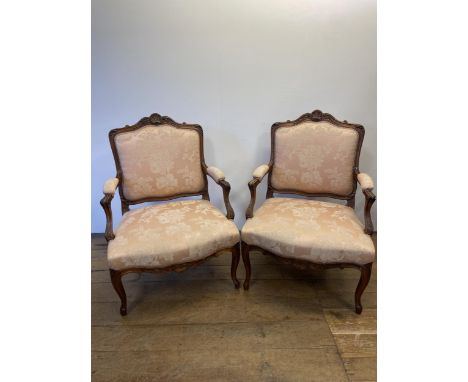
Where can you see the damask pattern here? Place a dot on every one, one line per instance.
(159, 161)
(161, 235)
(315, 157)
(310, 230)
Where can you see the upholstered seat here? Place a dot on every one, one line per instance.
(309, 230)
(167, 234)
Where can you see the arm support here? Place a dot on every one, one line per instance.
(257, 175)
(218, 176)
(109, 191)
(367, 185)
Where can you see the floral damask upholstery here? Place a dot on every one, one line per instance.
(314, 157)
(310, 230)
(159, 161)
(162, 235)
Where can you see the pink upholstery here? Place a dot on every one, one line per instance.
(310, 230)
(172, 233)
(315, 157)
(159, 161)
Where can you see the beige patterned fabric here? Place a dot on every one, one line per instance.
(315, 157)
(310, 230)
(260, 171)
(161, 235)
(110, 186)
(159, 161)
(365, 181)
(215, 173)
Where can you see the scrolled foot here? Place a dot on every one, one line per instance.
(246, 284)
(358, 309)
(123, 311)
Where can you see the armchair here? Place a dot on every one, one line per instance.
(158, 159)
(312, 156)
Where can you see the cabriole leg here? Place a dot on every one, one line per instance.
(116, 277)
(234, 263)
(246, 260)
(363, 281)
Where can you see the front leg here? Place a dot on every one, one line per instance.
(363, 281)
(246, 260)
(116, 278)
(234, 263)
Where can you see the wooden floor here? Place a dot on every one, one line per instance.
(194, 326)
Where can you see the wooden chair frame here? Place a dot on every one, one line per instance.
(366, 269)
(116, 275)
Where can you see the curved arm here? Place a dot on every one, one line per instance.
(109, 191)
(367, 185)
(218, 176)
(257, 175)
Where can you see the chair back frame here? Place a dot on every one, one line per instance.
(156, 119)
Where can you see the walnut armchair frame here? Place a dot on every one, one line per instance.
(112, 184)
(363, 179)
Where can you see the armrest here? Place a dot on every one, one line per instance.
(218, 176)
(365, 181)
(261, 171)
(109, 191)
(110, 186)
(257, 176)
(215, 173)
(367, 185)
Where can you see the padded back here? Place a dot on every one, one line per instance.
(160, 161)
(314, 157)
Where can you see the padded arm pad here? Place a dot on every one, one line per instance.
(260, 171)
(215, 173)
(110, 186)
(365, 181)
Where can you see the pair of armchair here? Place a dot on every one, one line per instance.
(158, 159)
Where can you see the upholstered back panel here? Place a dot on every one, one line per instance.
(314, 157)
(159, 161)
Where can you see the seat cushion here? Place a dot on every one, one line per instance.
(310, 230)
(162, 235)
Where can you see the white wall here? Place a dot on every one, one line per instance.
(234, 67)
